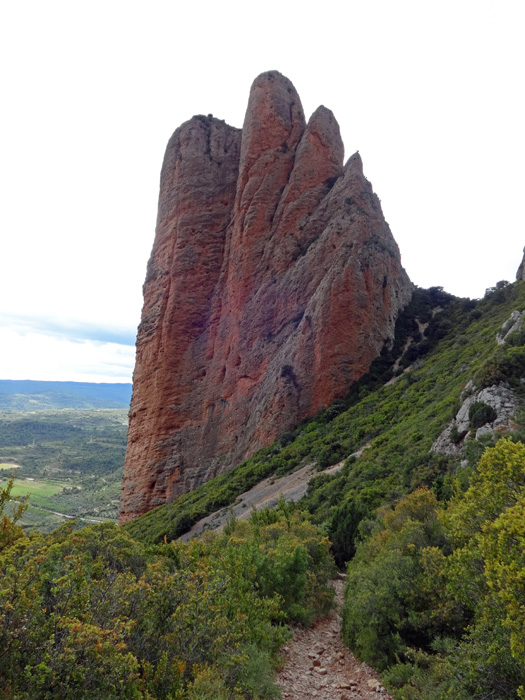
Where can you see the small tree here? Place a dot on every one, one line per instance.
(11, 510)
(481, 413)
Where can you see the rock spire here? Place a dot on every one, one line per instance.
(273, 283)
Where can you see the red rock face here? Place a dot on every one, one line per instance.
(273, 283)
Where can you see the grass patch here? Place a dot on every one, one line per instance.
(38, 491)
(80, 450)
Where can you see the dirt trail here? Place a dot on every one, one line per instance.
(318, 666)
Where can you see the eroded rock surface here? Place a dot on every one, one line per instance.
(501, 399)
(273, 283)
(513, 324)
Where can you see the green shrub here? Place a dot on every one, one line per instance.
(94, 614)
(389, 583)
(11, 510)
(329, 455)
(289, 558)
(436, 596)
(480, 413)
(455, 435)
(516, 338)
(507, 366)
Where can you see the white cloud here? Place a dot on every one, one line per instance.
(73, 329)
(46, 357)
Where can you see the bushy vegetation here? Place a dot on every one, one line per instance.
(95, 614)
(398, 417)
(435, 584)
(11, 510)
(436, 593)
(507, 365)
(480, 413)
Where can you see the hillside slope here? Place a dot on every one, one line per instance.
(399, 418)
(430, 516)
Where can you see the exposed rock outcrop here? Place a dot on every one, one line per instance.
(512, 324)
(501, 399)
(273, 283)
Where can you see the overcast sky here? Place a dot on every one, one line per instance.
(430, 93)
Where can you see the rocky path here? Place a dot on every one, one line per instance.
(318, 666)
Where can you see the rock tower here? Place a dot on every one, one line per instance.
(273, 283)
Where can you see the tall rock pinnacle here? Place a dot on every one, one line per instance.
(520, 274)
(273, 283)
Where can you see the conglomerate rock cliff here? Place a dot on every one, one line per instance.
(273, 283)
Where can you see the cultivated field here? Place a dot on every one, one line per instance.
(68, 462)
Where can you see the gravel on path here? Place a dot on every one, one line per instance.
(318, 666)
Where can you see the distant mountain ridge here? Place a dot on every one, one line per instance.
(27, 395)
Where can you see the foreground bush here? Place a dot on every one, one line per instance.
(392, 580)
(94, 614)
(437, 596)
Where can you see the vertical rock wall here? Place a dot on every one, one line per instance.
(273, 283)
